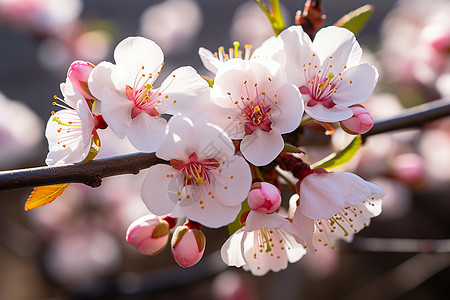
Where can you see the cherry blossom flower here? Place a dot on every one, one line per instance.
(361, 121)
(130, 104)
(70, 131)
(264, 197)
(252, 102)
(327, 71)
(334, 205)
(267, 242)
(205, 182)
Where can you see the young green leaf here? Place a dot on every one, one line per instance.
(341, 157)
(236, 225)
(357, 19)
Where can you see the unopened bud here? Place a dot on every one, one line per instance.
(149, 234)
(360, 122)
(78, 75)
(264, 198)
(188, 246)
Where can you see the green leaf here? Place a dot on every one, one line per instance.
(341, 157)
(274, 15)
(236, 225)
(291, 149)
(357, 19)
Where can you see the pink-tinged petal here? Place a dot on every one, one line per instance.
(268, 75)
(102, 77)
(176, 144)
(210, 212)
(230, 119)
(155, 189)
(116, 111)
(186, 92)
(341, 44)
(271, 48)
(210, 141)
(296, 251)
(209, 60)
(146, 133)
(363, 80)
(324, 195)
(230, 79)
(71, 95)
(287, 113)
(231, 250)
(261, 147)
(297, 45)
(333, 114)
(133, 53)
(232, 183)
(306, 227)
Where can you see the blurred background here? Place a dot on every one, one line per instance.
(75, 247)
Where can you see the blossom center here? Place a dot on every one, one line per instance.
(255, 107)
(322, 82)
(195, 172)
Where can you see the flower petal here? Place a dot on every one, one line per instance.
(116, 111)
(133, 53)
(324, 195)
(363, 80)
(230, 119)
(210, 62)
(186, 91)
(147, 133)
(210, 212)
(287, 114)
(233, 183)
(102, 77)
(155, 189)
(231, 250)
(210, 141)
(176, 144)
(333, 114)
(260, 148)
(297, 45)
(340, 43)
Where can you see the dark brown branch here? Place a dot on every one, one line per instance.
(413, 117)
(92, 172)
(89, 173)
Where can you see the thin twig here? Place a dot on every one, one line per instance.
(92, 172)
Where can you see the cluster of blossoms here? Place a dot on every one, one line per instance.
(217, 138)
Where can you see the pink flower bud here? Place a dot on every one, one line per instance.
(149, 234)
(78, 75)
(360, 123)
(264, 198)
(188, 246)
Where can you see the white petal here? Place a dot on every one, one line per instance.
(186, 91)
(71, 95)
(176, 144)
(323, 114)
(271, 48)
(133, 53)
(101, 77)
(210, 141)
(210, 212)
(116, 111)
(227, 118)
(364, 77)
(287, 114)
(340, 43)
(233, 183)
(260, 148)
(155, 189)
(209, 61)
(231, 250)
(324, 195)
(147, 133)
(297, 45)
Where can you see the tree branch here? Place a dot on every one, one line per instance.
(89, 173)
(92, 172)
